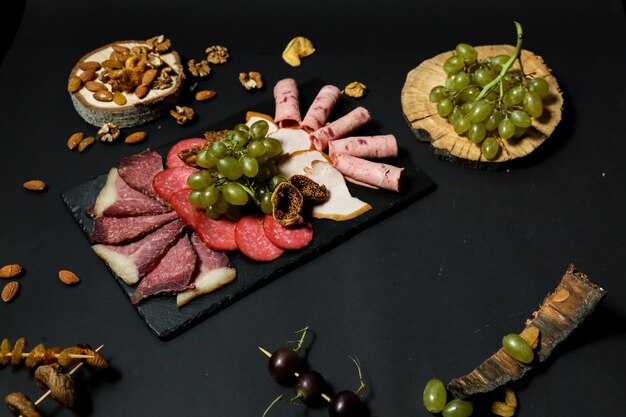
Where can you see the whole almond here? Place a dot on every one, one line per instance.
(136, 137)
(204, 95)
(74, 140)
(87, 75)
(121, 49)
(35, 185)
(10, 291)
(94, 86)
(103, 95)
(89, 65)
(74, 84)
(141, 91)
(11, 270)
(148, 76)
(68, 277)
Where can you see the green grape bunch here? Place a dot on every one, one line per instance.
(485, 101)
(237, 171)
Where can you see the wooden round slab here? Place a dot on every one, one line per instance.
(136, 111)
(428, 126)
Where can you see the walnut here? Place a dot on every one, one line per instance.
(355, 89)
(199, 69)
(250, 81)
(109, 132)
(159, 44)
(154, 60)
(164, 80)
(124, 79)
(182, 114)
(140, 50)
(217, 54)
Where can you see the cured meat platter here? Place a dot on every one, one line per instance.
(162, 315)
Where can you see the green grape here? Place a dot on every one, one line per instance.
(469, 94)
(456, 114)
(195, 198)
(517, 348)
(505, 86)
(229, 167)
(437, 94)
(273, 147)
(434, 396)
(240, 138)
(462, 125)
(532, 104)
(448, 82)
(206, 159)
(460, 80)
(512, 79)
(458, 408)
(539, 86)
(218, 148)
(514, 96)
(228, 135)
(242, 127)
(263, 174)
(506, 129)
(444, 107)
(490, 147)
(249, 166)
(265, 202)
(233, 213)
(493, 120)
(261, 159)
(259, 129)
(234, 194)
(481, 110)
(199, 180)
(218, 208)
(453, 64)
(520, 118)
(477, 132)
(467, 52)
(483, 76)
(519, 131)
(275, 180)
(256, 148)
(209, 196)
(492, 96)
(468, 107)
(500, 60)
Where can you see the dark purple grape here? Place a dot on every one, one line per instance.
(346, 404)
(284, 364)
(310, 388)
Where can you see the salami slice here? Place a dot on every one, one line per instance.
(181, 205)
(287, 238)
(340, 127)
(171, 180)
(172, 160)
(320, 109)
(373, 173)
(138, 170)
(287, 105)
(217, 234)
(380, 146)
(253, 242)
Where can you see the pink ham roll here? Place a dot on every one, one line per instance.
(287, 106)
(320, 109)
(374, 173)
(340, 127)
(381, 146)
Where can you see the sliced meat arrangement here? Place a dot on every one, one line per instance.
(340, 128)
(380, 146)
(172, 274)
(117, 199)
(171, 180)
(138, 170)
(217, 234)
(376, 174)
(287, 104)
(287, 238)
(172, 160)
(116, 230)
(252, 240)
(320, 109)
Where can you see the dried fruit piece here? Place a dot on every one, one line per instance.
(10, 291)
(68, 277)
(287, 203)
(217, 54)
(136, 137)
(199, 69)
(74, 84)
(61, 386)
(85, 143)
(502, 409)
(204, 95)
(298, 47)
(36, 355)
(119, 98)
(11, 270)
(509, 397)
(355, 89)
(109, 132)
(18, 349)
(251, 81)
(65, 358)
(5, 350)
(310, 189)
(35, 185)
(21, 405)
(182, 114)
(51, 354)
(97, 361)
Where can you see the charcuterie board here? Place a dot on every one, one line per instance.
(162, 315)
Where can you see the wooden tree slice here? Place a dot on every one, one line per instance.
(137, 110)
(428, 126)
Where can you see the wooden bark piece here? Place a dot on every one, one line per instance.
(428, 126)
(560, 313)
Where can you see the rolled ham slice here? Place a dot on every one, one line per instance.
(381, 146)
(340, 128)
(320, 109)
(374, 173)
(287, 105)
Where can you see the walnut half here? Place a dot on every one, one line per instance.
(251, 81)
(182, 114)
(109, 132)
(217, 54)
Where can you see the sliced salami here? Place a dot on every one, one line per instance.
(172, 160)
(380, 146)
(217, 234)
(188, 213)
(116, 230)
(373, 173)
(138, 170)
(253, 242)
(287, 105)
(287, 238)
(320, 109)
(340, 128)
(171, 180)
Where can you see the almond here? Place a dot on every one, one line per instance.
(94, 86)
(87, 75)
(68, 277)
(204, 95)
(103, 95)
(121, 49)
(74, 140)
(10, 291)
(148, 76)
(136, 137)
(35, 185)
(141, 91)
(11, 270)
(89, 65)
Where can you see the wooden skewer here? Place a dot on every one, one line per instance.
(56, 355)
(269, 355)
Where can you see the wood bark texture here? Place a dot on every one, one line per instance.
(428, 126)
(560, 313)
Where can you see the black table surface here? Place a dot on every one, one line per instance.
(428, 291)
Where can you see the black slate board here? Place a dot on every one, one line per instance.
(161, 314)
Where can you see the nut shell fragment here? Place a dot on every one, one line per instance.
(61, 385)
(287, 203)
(21, 405)
(298, 47)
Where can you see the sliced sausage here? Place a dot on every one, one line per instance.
(217, 234)
(373, 173)
(287, 105)
(172, 180)
(181, 205)
(320, 109)
(340, 128)
(252, 240)
(287, 238)
(172, 159)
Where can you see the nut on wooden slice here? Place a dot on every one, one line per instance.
(133, 60)
(68, 277)
(35, 185)
(10, 290)
(428, 126)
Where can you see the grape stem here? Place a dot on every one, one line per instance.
(301, 341)
(518, 49)
(358, 368)
(280, 397)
